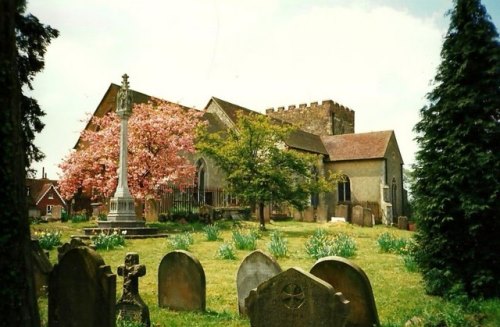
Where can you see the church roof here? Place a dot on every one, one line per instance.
(359, 146)
(298, 139)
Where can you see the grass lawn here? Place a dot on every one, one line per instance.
(399, 294)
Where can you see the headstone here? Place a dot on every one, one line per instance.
(403, 223)
(41, 268)
(342, 210)
(296, 298)
(367, 217)
(74, 243)
(351, 280)
(357, 215)
(56, 212)
(131, 306)
(82, 291)
(181, 282)
(256, 268)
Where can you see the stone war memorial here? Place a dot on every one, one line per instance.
(296, 298)
(82, 291)
(181, 282)
(346, 277)
(256, 268)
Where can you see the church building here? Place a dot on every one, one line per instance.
(371, 163)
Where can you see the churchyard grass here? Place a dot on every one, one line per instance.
(399, 293)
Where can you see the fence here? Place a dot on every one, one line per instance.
(188, 200)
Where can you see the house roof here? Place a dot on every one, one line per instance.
(38, 188)
(298, 139)
(372, 145)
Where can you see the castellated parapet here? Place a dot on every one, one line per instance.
(327, 118)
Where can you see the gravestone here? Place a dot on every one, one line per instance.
(256, 268)
(82, 291)
(367, 217)
(403, 223)
(181, 282)
(130, 306)
(41, 268)
(342, 210)
(296, 298)
(357, 215)
(74, 243)
(351, 280)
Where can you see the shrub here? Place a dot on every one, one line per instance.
(48, 239)
(109, 241)
(244, 241)
(320, 245)
(226, 251)
(182, 241)
(78, 218)
(212, 232)
(278, 245)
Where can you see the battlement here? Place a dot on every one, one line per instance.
(325, 104)
(325, 118)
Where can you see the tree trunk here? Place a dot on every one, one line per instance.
(261, 216)
(18, 304)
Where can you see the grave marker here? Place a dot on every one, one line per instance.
(131, 306)
(357, 215)
(351, 280)
(296, 298)
(181, 282)
(82, 291)
(256, 268)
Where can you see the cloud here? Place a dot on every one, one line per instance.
(374, 59)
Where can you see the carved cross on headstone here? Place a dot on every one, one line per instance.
(131, 271)
(130, 305)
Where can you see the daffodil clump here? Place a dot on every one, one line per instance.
(108, 240)
(48, 239)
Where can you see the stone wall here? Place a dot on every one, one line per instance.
(327, 118)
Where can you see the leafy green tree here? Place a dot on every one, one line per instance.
(22, 44)
(457, 169)
(260, 168)
(32, 39)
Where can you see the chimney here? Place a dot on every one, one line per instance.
(43, 172)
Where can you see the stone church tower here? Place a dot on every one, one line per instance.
(327, 118)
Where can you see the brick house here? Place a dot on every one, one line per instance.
(44, 199)
(370, 162)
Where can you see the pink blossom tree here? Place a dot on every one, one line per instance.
(161, 137)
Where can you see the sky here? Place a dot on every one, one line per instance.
(376, 57)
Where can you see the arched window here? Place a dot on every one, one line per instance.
(344, 189)
(315, 196)
(201, 173)
(394, 197)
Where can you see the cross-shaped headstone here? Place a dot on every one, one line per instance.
(131, 271)
(130, 305)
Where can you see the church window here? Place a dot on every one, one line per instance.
(201, 172)
(344, 189)
(394, 197)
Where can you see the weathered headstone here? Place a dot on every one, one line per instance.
(351, 280)
(41, 268)
(181, 282)
(74, 243)
(256, 268)
(82, 291)
(342, 210)
(131, 306)
(296, 298)
(367, 217)
(357, 215)
(403, 222)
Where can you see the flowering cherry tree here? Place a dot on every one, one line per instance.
(161, 136)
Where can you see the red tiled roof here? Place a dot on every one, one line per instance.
(372, 145)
